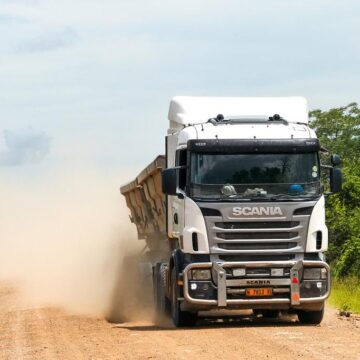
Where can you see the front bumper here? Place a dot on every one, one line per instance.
(288, 294)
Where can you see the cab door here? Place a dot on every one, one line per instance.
(176, 205)
(178, 219)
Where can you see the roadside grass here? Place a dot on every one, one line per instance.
(345, 294)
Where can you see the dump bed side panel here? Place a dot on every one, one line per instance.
(146, 202)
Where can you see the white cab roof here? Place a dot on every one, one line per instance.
(186, 110)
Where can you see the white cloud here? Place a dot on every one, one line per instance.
(23, 147)
(49, 41)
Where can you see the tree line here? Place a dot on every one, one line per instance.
(339, 132)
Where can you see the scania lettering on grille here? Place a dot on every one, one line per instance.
(258, 282)
(262, 210)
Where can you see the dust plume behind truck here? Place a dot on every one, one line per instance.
(233, 214)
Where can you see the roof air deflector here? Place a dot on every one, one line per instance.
(249, 119)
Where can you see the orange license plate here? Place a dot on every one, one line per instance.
(259, 292)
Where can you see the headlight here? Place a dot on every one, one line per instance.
(312, 273)
(201, 274)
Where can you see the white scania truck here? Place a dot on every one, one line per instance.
(234, 214)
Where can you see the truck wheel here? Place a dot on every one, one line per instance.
(179, 317)
(311, 317)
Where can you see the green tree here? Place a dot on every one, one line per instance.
(339, 131)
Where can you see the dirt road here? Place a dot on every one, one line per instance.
(49, 333)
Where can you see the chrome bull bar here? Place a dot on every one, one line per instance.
(218, 268)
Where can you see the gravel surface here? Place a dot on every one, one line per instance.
(51, 333)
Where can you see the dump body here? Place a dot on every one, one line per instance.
(146, 202)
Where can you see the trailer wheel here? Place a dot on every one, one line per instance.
(311, 317)
(161, 303)
(179, 317)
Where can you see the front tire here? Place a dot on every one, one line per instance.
(180, 318)
(311, 317)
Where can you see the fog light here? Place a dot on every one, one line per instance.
(277, 272)
(312, 274)
(201, 274)
(239, 272)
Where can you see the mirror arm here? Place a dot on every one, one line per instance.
(326, 166)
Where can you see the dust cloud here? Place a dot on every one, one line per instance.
(63, 237)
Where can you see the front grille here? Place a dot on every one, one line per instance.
(253, 235)
(256, 235)
(257, 225)
(264, 257)
(257, 246)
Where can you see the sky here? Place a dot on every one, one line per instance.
(85, 87)
(89, 81)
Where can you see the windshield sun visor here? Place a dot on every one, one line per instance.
(251, 146)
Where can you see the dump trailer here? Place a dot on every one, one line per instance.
(233, 215)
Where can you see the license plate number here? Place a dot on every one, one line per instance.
(259, 292)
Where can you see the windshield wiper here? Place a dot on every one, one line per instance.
(235, 197)
(295, 197)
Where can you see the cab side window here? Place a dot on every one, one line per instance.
(181, 160)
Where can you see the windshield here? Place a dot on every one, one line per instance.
(254, 176)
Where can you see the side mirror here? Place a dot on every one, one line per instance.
(335, 180)
(169, 181)
(335, 160)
